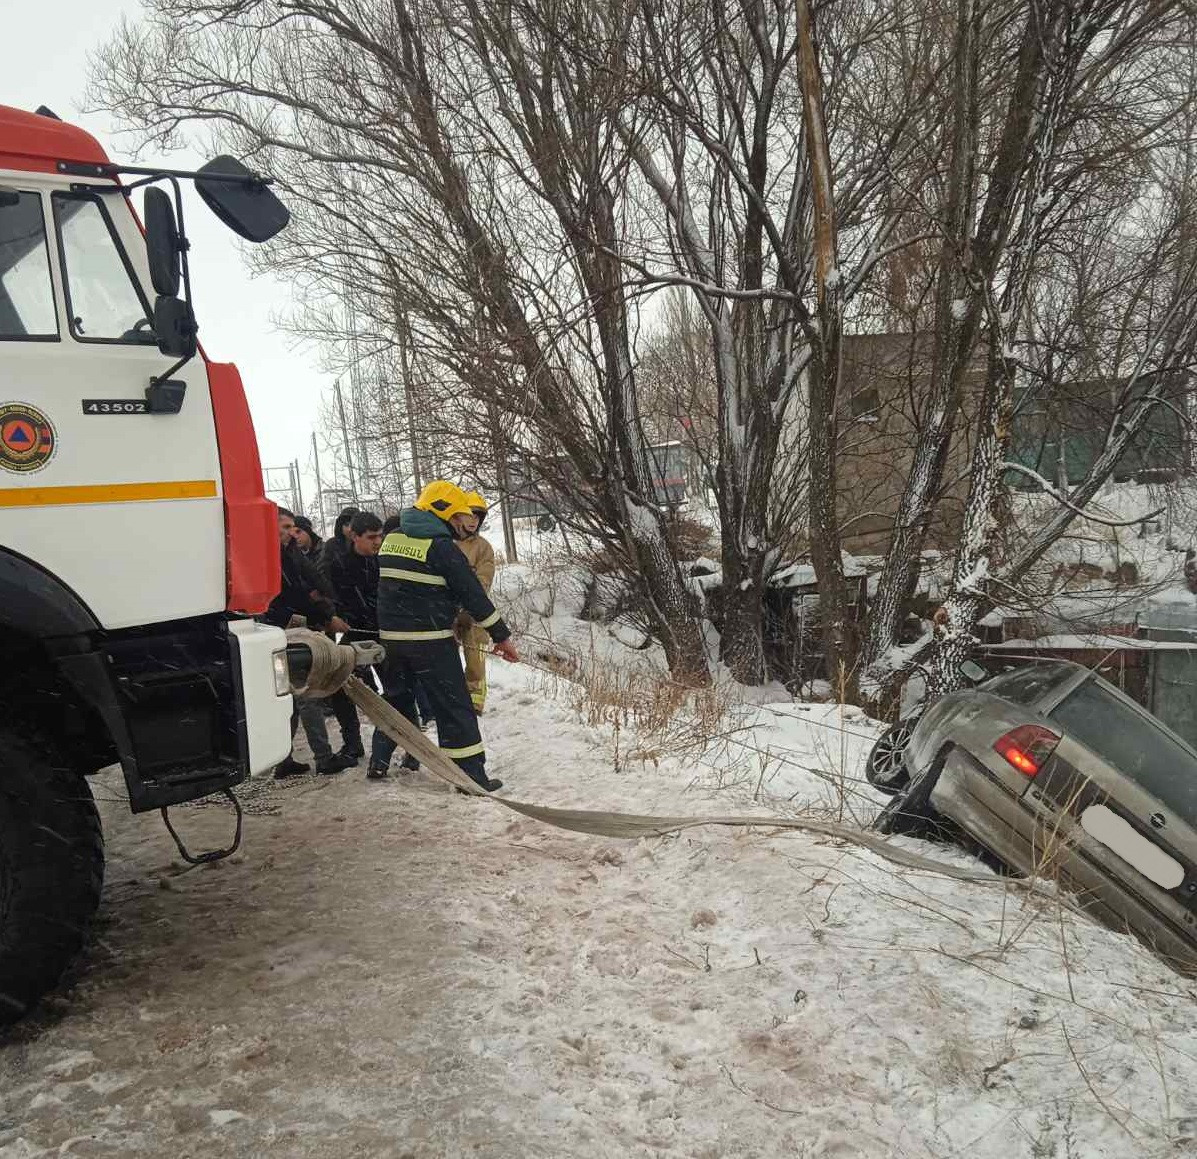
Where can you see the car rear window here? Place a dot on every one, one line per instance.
(1026, 685)
(1132, 742)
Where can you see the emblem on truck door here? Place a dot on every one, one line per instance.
(27, 438)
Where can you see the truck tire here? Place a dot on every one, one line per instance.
(51, 869)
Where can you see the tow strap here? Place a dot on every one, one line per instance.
(332, 668)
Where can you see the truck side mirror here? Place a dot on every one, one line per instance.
(242, 201)
(162, 242)
(174, 327)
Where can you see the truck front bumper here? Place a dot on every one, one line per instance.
(265, 704)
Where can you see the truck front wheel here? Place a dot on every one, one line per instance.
(51, 869)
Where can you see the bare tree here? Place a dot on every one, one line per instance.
(1049, 103)
(503, 190)
(733, 141)
(467, 172)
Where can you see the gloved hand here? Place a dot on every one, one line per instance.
(507, 651)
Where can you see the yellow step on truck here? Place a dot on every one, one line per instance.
(136, 543)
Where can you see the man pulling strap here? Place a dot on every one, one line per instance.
(423, 581)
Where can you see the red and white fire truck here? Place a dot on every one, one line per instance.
(136, 543)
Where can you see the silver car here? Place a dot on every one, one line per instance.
(1052, 771)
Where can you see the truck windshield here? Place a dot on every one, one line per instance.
(26, 291)
(104, 301)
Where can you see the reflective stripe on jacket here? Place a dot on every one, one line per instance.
(423, 580)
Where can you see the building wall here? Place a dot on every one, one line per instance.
(1059, 432)
(886, 378)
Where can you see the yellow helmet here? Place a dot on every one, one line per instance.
(443, 499)
(477, 503)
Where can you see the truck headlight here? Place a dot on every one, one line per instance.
(282, 674)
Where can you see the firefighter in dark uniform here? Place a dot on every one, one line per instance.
(424, 580)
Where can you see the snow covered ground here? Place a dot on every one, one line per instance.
(392, 970)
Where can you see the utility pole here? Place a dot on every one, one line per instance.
(345, 442)
(319, 487)
(360, 408)
(499, 451)
(297, 485)
(417, 474)
(386, 398)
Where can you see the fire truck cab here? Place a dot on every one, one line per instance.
(136, 543)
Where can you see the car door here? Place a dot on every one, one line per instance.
(110, 495)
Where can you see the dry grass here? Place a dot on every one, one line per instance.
(651, 716)
(656, 716)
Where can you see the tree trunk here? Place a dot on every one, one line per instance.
(743, 494)
(741, 641)
(956, 336)
(672, 611)
(969, 597)
(839, 636)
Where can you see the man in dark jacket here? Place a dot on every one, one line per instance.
(305, 535)
(301, 595)
(301, 592)
(336, 546)
(353, 574)
(353, 577)
(423, 582)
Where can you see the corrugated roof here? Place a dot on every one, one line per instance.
(1090, 643)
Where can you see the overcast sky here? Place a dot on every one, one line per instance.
(43, 62)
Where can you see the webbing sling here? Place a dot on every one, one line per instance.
(327, 674)
(631, 825)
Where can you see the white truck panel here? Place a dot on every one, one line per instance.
(130, 563)
(267, 712)
(134, 555)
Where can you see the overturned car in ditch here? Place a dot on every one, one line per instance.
(1049, 770)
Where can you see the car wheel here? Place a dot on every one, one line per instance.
(885, 769)
(910, 812)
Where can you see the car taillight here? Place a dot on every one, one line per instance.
(1027, 747)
